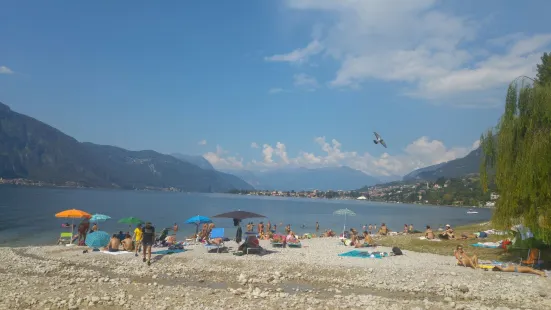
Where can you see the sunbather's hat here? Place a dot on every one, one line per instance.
(448, 225)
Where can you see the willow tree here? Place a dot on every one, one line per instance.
(517, 156)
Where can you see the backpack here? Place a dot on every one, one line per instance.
(396, 251)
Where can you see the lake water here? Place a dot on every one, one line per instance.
(27, 214)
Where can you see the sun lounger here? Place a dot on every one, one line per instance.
(278, 244)
(294, 244)
(115, 253)
(65, 238)
(216, 233)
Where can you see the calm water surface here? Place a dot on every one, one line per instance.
(27, 214)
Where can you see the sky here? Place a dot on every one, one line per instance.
(262, 85)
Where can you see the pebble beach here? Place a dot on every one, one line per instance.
(311, 277)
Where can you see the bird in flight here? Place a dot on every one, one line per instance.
(378, 139)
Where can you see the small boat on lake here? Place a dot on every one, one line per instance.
(471, 211)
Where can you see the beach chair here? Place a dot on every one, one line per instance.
(533, 259)
(65, 238)
(216, 233)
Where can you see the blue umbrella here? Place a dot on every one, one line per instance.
(100, 218)
(198, 219)
(97, 239)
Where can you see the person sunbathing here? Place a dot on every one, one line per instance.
(114, 244)
(127, 243)
(429, 234)
(367, 241)
(447, 234)
(521, 269)
(292, 238)
(463, 259)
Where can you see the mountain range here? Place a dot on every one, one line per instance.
(33, 150)
(451, 169)
(329, 178)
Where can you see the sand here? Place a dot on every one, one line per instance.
(311, 277)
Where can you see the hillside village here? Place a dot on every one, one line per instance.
(464, 191)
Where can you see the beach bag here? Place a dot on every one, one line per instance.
(396, 251)
(482, 235)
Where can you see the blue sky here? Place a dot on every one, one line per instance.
(316, 76)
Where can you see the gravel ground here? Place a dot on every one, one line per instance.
(313, 277)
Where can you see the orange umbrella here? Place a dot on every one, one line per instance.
(73, 213)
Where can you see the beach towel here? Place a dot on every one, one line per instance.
(364, 254)
(115, 253)
(488, 245)
(166, 252)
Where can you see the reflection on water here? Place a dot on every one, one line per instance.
(27, 214)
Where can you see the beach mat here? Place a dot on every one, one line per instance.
(167, 252)
(363, 254)
(116, 253)
(486, 245)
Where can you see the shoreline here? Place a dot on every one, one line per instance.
(313, 276)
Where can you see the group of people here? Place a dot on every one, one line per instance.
(447, 234)
(143, 238)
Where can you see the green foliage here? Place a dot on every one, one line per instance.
(544, 69)
(520, 150)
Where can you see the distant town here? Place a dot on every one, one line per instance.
(464, 191)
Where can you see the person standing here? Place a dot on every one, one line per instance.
(370, 228)
(317, 227)
(137, 239)
(175, 229)
(148, 238)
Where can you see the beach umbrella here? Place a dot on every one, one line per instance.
(198, 220)
(238, 215)
(97, 239)
(100, 218)
(73, 214)
(346, 212)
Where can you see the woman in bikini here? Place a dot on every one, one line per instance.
(463, 259)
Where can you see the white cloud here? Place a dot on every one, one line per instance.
(275, 90)
(5, 70)
(420, 153)
(305, 81)
(202, 142)
(254, 145)
(418, 43)
(220, 161)
(299, 55)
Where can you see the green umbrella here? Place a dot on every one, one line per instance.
(131, 221)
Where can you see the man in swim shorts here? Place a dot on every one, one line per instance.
(148, 238)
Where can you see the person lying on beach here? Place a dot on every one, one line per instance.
(292, 238)
(127, 243)
(463, 259)
(468, 236)
(521, 269)
(114, 244)
(429, 234)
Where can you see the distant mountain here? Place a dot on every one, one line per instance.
(414, 175)
(33, 150)
(196, 160)
(330, 178)
(451, 169)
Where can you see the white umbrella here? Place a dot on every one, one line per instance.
(345, 212)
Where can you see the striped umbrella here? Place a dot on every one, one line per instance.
(97, 239)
